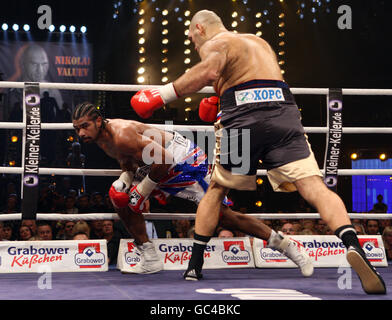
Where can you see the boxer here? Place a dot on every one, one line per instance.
(256, 101)
(177, 167)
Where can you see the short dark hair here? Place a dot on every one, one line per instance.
(87, 109)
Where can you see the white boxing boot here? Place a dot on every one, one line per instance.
(149, 260)
(291, 250)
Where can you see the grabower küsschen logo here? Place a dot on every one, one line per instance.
(373, 252)
(132, 256)
(235, 253)
(89, 256)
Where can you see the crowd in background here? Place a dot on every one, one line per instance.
(71, 201)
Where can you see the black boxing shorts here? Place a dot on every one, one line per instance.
(259, 120)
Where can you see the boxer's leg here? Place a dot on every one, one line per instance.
(136, 226)
(333, 211)
(134, 223)
(207, 217)
(233, 220)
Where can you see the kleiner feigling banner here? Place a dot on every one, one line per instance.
(29, 61)
(175, 253)
(325, 251)
(56, 256)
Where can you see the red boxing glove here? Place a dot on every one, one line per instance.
(146, 101)
(136, 200)
(208, 109)
(118, 198)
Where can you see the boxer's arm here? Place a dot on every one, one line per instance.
(214, 58)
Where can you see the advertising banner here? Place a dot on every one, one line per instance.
(325, 251)
(57, 256)
(176, 253)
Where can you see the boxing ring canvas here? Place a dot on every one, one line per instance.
(168, 285)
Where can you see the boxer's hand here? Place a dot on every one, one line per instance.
(118, 197)
(136, 200)
(118, 192)
(146, 101)
(208, 109)
(140, 193)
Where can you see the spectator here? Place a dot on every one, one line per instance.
(297, 226)
(320, 226)
(1, 231)
(372, 227)
(309, 224)
(25, 233)
(44, 231)
(387, 239)
(359, 228)
(113, 241)
(191, 232)
(96, 229)
(307, 232)
(70, 207)
(12, 204)
(66, 233)
(108, 204)
(81, 227)
(181, 227)
(288, 229)
(224, 233)
(83, 203)
(8, 233)
(80, 235)
(97, 202)
(380, 206)
(31, 224)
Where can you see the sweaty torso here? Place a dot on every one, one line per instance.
(132, 132)
(248, 58)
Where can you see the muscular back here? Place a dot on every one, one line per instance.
(248, 57)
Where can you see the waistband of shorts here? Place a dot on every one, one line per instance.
(228, 98)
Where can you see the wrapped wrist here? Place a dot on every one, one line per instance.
(168, 93)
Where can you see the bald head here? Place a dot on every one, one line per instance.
(206, 18)
(204, 25)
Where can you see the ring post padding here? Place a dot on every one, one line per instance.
(334, 137)
(30, 159)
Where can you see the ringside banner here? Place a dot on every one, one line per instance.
(59, 256)
(176, 253)
(325, 251)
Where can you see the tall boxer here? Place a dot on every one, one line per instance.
(254, 96)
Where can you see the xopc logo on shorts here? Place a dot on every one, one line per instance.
(258, 95)
(235, 253)
(89, 256)
(372, 250)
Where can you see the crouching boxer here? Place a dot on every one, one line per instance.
(176, 167)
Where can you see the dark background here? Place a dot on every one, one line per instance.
(316, 55)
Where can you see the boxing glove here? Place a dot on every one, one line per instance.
(140, 193)
(118, 192)
(146, 101)
(208, 109)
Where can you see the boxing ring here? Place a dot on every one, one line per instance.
(231, 284)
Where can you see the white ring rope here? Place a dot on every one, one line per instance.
(198, 128)
(182, 216)
(126, 87)
(189, 216)
(117, 172)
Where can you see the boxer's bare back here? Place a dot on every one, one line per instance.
(238, 58)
